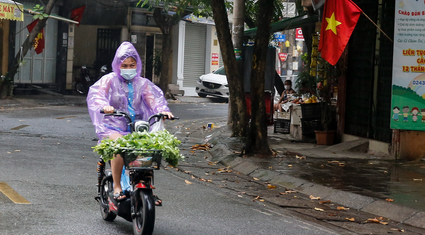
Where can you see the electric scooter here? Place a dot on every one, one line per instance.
(85, 80)
(139, 205)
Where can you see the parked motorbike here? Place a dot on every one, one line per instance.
(139, 205)
(85, 80)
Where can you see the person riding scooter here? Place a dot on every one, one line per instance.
(123, 89)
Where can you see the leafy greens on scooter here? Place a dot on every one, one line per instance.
(159, 140)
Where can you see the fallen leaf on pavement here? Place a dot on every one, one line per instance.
(396, 229)
(269, 186)
(334, 162)
(224, 170)
(325, 202)
(314, 198)
(193, 177)
(301, 158)
(240, 196)
(289, 165)
(188, 182)
(377, 220)
(187, 172)
(417, 179)
(204, 147)
(282, 193)
(341, 164)
(257, 198)
(372, 220)
(290, 191)
(318, 209)
(389, 200)
(350, 219)
(342, 208)
(255, 178)
(261, 200)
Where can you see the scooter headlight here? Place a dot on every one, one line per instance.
(141, 126)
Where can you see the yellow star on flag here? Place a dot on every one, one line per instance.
(332, 23)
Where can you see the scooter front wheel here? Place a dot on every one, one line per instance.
(105, 188)
(80, 88)
(144, 219)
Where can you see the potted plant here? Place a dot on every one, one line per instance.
(326, 81)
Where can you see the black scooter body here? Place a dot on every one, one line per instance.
(124, 209)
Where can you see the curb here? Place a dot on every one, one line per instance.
(225, 156)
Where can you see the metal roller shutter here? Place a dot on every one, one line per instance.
(194, 53)
(37, 68)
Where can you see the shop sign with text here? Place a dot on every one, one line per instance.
(408, 86)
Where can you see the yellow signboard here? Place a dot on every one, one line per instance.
(11, 11)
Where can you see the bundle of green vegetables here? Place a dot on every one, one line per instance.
(160, 140)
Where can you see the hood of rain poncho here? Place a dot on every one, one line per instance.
(139, 97)
(126, 50)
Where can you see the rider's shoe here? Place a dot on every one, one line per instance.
(158, 202)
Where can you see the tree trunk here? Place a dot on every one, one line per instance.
(234, 79)
(165, 23)
(167, 58)
(14, 66)
(257, 139)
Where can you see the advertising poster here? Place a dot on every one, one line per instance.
(408, 88)
(214, 59)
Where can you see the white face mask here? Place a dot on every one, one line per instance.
(287, 87)
(128, 74)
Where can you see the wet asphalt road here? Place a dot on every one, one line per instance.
(47, 158)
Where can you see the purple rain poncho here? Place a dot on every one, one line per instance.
(139, 97)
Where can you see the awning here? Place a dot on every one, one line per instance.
(282, 25)
(29, 9)
(11, 10)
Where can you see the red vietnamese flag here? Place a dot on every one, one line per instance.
(38, 43)
(77, 14)
(339, 20)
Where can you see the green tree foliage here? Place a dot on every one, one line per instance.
(251, 11)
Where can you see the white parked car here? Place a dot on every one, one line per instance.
(213, 84)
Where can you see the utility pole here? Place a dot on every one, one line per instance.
(238, 28)
(237, 37)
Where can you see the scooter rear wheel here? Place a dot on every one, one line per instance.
(144, 221)
(105, 187)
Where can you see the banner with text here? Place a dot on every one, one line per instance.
(408, 87)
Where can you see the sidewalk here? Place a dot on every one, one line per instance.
(394, 190)
(366, 183)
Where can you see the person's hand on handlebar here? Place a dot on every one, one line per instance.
(108, 109)
(168, 114)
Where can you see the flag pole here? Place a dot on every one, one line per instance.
(371, 20)
(377, 26)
